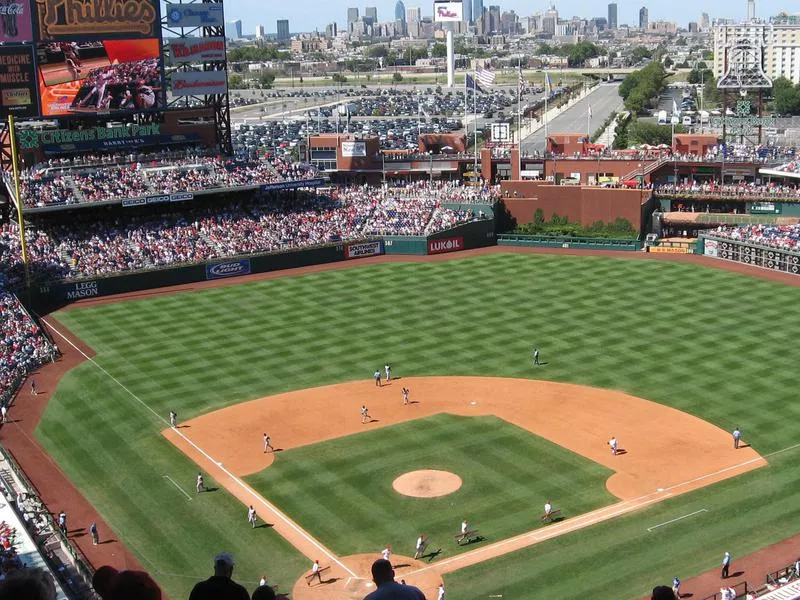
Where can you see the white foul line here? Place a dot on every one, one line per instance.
(697, 512)
(259, 498)
(188, 497)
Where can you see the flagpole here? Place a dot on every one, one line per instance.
(544, 117)
(519, 118)
(475, 117)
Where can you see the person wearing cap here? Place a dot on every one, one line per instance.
(388, 588)
(726, 565)
(111, 584)
(220, 586)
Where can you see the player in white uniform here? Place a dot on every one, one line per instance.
(365, 418)
(267, 444)
(548, 508)
(420, 548)
(173, 418)
(612, 443)
(201, 486)
(251, 516)
(440, 592)
(388, 368)
(315, 572)
(386, 552)
(405, 395)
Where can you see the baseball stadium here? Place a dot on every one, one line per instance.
(513, 375)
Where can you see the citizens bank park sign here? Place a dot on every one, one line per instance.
(190, 50)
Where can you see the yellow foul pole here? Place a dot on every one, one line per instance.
(20, 218)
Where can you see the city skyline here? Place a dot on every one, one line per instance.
(309, 15)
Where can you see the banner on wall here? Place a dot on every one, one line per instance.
(18, 95)
(453, 244)
(195, 15)
(16, 22)
(190, 50)
(199, 83)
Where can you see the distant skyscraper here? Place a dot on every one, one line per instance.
(260, 32)
(477, 9)
(612, 15)
(400, 11)
(693, 27)
(413, 15)
(643, 18)
(352, 15)
(494, 20)
(468, 11)
(233, 29)
(371, 12)
(704, 22)
(283, 30)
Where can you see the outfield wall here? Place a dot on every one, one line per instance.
(560, 241)
(749, 254)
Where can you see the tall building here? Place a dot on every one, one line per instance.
(477, 10)
(779, 38)
(371, 14)
(612, 15)
(283, 30)
(260, 32)
(693, 27)
(643, 18)
(413, 14)
(550, 20)
(704, 22)
(352, 15)
(495, 25)
(400, 11)
(233, 29)
(468, 11)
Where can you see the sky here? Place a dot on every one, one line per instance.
(308, 15)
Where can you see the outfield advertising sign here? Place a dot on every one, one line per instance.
(199, 83)
(190, 50)
(453, 244)
(16, 24)
(292, 185)
(18, 90)
(229, 268)
(365, 249)
(448, 12)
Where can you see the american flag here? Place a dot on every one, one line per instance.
(471, 84)
(548, 84)
(485, 76)
(521, 84)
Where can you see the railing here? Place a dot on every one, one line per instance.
(784, 575)
(565, 241)
(740, 588)
(79, 562)
(721, 195)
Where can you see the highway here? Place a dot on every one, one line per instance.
(604, 101)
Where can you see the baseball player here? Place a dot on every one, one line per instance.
(464, 527)
(736, 437)
(251, 516)
(173, 418)
(386, 552)
(420, 548)
(201, 486)
(726, 565)
(536, 357)
(377, 376)
(267, 444)
(676, 587)
(95, 536)
(405, 395)
(315, 572)
(548, 508)
(4, 413)
(62, 522)
(34, 391)
(612, 443)
(388, 368)
(440, 592)
(365, 418)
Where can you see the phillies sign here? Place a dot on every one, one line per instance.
(190, 50)
(446, 245)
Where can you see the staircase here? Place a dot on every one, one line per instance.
(648, 168)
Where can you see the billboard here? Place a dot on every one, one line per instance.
(16, 21)
(195, 15)
(448, 12)
(445, 245)
(99, 77)
(354, 149)
(365, 249)
(18, 82)
(230, 268)
(199, 83)
(73, 20)
(190, 50)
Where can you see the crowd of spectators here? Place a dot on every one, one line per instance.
(781, 237)
(60, 184)
(790, 167)
(23, 347)
(77, 248)
(729, 190)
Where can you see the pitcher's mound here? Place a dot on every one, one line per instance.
(427, 483)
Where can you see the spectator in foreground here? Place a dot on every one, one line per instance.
(220, 586)
(662, 592)
(111, 584)
(30, 584)
(264, 592)
(388, 588)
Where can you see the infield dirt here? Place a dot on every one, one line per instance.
(663, 452)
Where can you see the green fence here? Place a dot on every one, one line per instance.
(557, 241)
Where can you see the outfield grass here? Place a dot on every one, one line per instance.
(507, 474)
(719, 345)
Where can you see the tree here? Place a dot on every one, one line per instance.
(397, 77)
(668, 62)
(636, 102)
(681, 41)
(640, 53)
(235, 82)
(267, 79)
(701, 66)
(641, 132)
(787, 96)
(439, 51)
(699, 75)
(377, 52)
(711, 94)
(338, 78)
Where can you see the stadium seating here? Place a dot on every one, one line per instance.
(735, 190)
(782, 237)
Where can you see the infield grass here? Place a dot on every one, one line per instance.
(507, 473)
(719, 345)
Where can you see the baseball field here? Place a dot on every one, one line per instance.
(668, 357)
